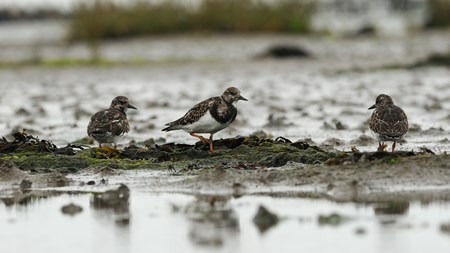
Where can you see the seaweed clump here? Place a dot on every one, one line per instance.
(243, 152)
(24, 142)
(248, 150)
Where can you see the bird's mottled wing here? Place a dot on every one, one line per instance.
(108, 121)
(194, 114)
(390, 121)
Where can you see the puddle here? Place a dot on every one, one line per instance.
(168, 222)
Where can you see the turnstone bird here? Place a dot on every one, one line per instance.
(209, 116)
(106, 125)
(388, 121)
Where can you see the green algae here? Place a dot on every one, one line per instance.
(240, 152)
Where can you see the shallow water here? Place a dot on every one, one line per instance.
(194, 226)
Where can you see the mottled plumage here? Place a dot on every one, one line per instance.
(209, 116)
(388, 121)
(106, 125)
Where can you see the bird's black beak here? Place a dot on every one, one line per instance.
(242, 98)
(373, 107)
(132, 107)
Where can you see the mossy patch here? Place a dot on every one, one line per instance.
(239, 152)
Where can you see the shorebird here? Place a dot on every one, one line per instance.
(388, 121)
(106, 125)
(209, 116)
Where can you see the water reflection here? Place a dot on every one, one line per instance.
(116, 200)
(121, 220)
(24, 197)
(211, 220)
(392, 208)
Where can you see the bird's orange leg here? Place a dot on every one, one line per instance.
(393, 147)
(381, 146)
(203, 139)
(211, 149)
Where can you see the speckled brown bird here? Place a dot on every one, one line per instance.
(388, 121)
(209, 116)
(108, 124)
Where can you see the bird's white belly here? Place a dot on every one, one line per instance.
(206, 124)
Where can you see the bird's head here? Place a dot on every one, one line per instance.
(121, 103)
(382, 99)
(232, 95)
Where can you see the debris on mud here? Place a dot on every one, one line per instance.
(264, 219)
(71, 209)
(27, 143)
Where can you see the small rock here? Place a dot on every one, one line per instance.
(71, 209)
(360, 231)
(264, 219)
(25, 184)
(286, 51)
(333, 142)
(92, 182)
(334, 125)
(57, 180)
(445, 228)
(414, 128)
(276, 121)
(261, 134)
(22, 112)
(363, 140)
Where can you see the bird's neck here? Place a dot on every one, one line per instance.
(232, 103)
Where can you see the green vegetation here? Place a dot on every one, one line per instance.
(104, 19)
(439, 13)
(30, 153)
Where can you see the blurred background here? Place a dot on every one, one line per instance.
(309, 68)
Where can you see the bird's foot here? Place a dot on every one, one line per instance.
(211, 149)
(393, 147)
(142, 150)
(106, 152)
(382, 147)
